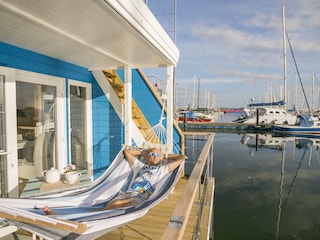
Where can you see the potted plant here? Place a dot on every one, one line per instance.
(70, 174)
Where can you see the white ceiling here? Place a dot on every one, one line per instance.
(96, 34)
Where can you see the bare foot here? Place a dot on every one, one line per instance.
(47, 211)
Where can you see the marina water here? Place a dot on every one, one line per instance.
(266, 187)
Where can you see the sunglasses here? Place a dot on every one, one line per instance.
(153, 154)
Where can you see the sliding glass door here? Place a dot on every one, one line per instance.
(33, 127)
(41, 132)
(36, 128)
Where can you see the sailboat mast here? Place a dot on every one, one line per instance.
(284, 58)
(198, 93)
(194, 93)
(312, 87)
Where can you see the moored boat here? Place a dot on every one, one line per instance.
(304, 126)
(196, 117)
(269, 115)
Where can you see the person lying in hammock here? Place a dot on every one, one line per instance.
(148, 175)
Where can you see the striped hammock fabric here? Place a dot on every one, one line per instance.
(76, 210)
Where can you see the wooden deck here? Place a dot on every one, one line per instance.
(154, 223)
(188, 197)
(190, 205)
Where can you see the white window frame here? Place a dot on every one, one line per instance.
(88, 120)
(11, 130)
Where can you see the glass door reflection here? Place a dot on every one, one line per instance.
(35, 128)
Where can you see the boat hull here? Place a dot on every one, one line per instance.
(267, 115)
(193, 120)
(293, 130)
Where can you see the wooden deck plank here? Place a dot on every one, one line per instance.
(154, 223)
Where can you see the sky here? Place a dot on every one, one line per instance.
(231, 51)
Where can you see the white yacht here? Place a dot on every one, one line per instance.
(269, 115)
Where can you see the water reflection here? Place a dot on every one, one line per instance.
(270, 192)
(258, 141)
(278, 143)
(263, 141)
(194, 145)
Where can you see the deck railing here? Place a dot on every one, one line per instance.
(199, 189)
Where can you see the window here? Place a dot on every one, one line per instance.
(80, 125)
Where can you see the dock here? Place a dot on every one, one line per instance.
(224, 127)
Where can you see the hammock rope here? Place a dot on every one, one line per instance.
(157, 134)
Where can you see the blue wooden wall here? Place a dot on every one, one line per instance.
(107, 127)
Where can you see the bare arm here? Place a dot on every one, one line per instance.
(176, 160)
(131, 155)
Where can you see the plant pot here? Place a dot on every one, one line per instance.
(71, 177)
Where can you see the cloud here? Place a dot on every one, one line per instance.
(236, 47)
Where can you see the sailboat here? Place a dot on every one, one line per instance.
(197, 114)
(305, 126)
(274, 112)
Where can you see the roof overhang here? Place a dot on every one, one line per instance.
(96, 34)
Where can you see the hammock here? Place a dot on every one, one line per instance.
(76, 210)
(157, 136)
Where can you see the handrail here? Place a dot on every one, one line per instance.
(180, 216)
